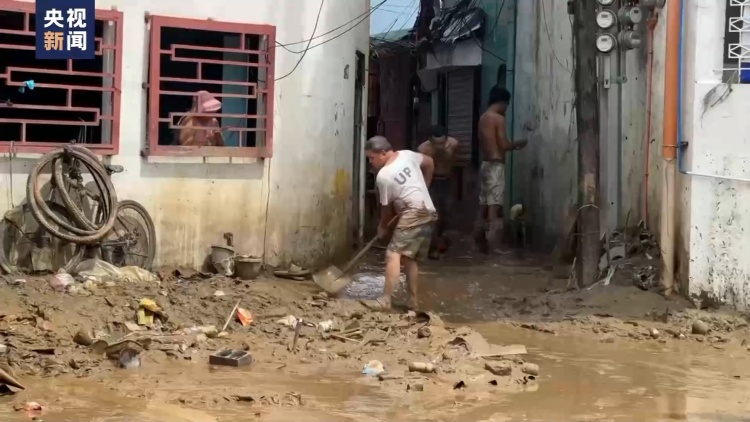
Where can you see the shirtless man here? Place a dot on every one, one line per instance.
(494, 144)
(441, 148)
(403, 180)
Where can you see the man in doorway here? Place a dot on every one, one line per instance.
(494, 144)
(442, 149)
(403, 181)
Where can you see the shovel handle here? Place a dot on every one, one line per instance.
(364, 250)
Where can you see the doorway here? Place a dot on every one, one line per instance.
(357, 147)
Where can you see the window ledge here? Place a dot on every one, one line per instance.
(24, 150)
(176, 159)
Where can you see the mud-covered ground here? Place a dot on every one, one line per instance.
(174, 381)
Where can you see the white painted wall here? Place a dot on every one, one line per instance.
(306, 218)
(718, 133)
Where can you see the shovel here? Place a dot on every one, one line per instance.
(332, 279)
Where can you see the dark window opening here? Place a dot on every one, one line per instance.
(51, 114)
(193, 60)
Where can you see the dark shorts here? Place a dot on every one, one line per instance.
(440, 193)
(413, 242)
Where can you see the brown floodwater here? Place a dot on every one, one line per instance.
(581, 378)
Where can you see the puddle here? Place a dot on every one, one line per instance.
(579, 380)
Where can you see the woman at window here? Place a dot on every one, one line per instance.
(202, 131)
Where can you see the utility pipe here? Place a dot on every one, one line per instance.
(669, 147)
(651, 24)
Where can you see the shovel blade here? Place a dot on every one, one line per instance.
(331, 280)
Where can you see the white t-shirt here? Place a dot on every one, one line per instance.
(402, 184)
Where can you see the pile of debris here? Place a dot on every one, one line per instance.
(633, 250)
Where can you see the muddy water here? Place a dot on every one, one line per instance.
(581, 378)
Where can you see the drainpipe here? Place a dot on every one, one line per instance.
(512, 60)
(669, 148)
(651, 24)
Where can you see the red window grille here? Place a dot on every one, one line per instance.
(71, 100)
(232, 61)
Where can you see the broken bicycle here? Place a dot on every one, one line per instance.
(74, 216)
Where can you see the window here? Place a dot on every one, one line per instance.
(226, 62)
(47, 103)
(737, 42)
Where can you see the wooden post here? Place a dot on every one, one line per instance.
(587, 120)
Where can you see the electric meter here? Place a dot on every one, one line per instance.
(605, 2)
(605, 43)
(630, 15)
(606, 19)
(629, 39)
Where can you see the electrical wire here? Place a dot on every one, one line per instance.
(497, 18)
(410, 14)
(315, 28)
(549, 38)
(365, 14)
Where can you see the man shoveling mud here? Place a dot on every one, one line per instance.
(495, 144)
(403, 181)
(442, 149)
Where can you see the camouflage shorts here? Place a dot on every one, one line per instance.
(413, 242)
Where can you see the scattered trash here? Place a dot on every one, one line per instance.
(148, 310)
(615, 253)
(606, 280)
(32, 409)
(476, 345)
(133, 327)
(422, 367)
(3, 348)
(417, 386)
(83, 337)
(700, 327)
(373, 368)
(230, 357)
(459, 385)
(325, 326)
(129, 358)
(530, 368)
(384, 376)
(290, 321)
(244, 316)
(219, 293)
(499, 370)
(424, 332)
(61, 280)
(654, 333)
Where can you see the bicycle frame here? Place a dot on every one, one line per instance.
(74, 182)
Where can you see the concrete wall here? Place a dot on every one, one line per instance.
(293, 207)
(545, 173)
(718, 134)
(544, 178)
